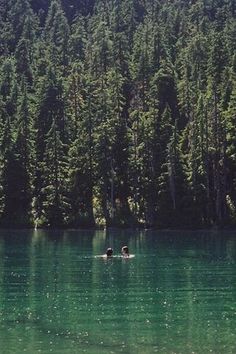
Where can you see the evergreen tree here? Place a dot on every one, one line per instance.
(12, 192)
(54, 182)
(9, 88)
(50, 111)
(81, 154)
(25, 154)
(23, 66)
(230, 119)
(19, 13)
(57, 34)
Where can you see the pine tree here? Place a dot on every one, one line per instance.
(230, 121)
(7, 78)
(25, 154)
(78, 40)
(119, 152)
(57, 35)
(23, 66)
(11, 191)
(50, 110)
(9, 88)
(173, 193)
(19, 13)
(55, 202)
(81, 154)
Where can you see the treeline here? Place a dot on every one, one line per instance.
(117, 112)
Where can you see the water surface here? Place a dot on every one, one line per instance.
(178, 295)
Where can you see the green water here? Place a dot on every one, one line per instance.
(178, 295)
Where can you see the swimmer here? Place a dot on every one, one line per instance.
(125, 251)
(109, 252)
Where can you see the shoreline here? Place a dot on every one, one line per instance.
(117, 228)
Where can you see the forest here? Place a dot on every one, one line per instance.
(118, 113)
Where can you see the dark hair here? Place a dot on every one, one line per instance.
(109, 252)
(125, 249)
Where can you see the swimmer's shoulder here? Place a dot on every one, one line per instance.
(128, 256)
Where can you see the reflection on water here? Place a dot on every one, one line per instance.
(176, 296)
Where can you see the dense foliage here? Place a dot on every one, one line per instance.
(117, 112)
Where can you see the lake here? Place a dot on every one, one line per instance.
(177, 295)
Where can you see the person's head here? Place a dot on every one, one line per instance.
(125, 250)
(109, 252)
